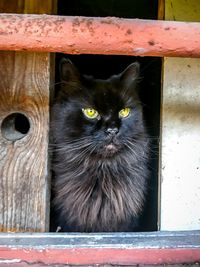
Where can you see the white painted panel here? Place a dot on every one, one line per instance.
(180, 145)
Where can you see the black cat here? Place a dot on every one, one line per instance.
(101, 152)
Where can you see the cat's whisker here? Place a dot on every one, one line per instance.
(71, 149)
(71, 146)
(76, 158)
(131, 149)
(74, 141)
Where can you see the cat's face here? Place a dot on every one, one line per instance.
(102, 116)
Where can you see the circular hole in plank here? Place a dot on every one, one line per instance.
(15, 126)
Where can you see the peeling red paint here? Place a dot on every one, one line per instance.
(100, 256)
(113, 36)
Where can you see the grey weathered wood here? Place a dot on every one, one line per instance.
(24, 89)
(112, 249)
(150, 240)
(180, 128)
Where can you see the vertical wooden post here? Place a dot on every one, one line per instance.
(180, 132)
(161, 9)
(24, 129)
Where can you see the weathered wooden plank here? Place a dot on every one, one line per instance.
(23, 148)
(139, 240)
(119, 249)
(93, 256)
(182, 10)
(180, 145)
(84, 35)
(161, 9)
(24, 128)
(28, 6)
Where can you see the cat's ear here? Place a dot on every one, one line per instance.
(130, 74)
(68, 71)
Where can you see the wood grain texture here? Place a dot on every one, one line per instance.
(161, 9)
(180, 127)
(126, 240)
(24, 87)
(28, 6)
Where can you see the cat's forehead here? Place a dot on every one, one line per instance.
(107, 95)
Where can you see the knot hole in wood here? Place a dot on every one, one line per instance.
(15, 126)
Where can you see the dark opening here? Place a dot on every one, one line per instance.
(101, 66)
(15, 126)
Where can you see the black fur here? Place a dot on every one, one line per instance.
(100, 178)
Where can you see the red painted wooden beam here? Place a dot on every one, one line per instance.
(116, 249)
(108, 36)
(90, 256)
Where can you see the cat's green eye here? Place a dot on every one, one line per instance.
(90, 113)
(124, 112)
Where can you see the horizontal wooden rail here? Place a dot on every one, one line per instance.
(119, 249)
(108, 36)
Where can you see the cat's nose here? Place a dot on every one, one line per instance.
(112, 130)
